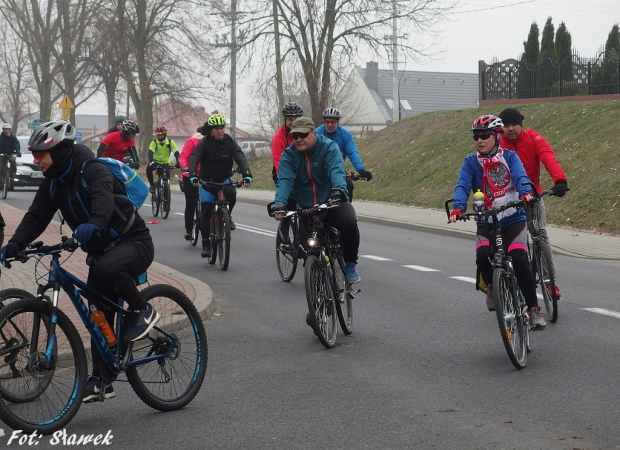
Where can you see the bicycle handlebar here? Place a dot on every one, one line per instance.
(213, 184)
(356, 176)
(303, 211)
(487, 213)
(67, 244)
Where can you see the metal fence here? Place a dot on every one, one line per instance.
(514, 79)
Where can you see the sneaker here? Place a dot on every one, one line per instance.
(490, 301)
(232, 225)
(537, 319)
(351, 275)
(557, 290)
(92, 393)
(188, 236)
(152, 189)
(141, 324)
(206, 249)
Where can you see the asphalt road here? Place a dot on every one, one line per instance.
(424, 368)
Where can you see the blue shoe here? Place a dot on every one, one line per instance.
(351, 274)
(141, 323)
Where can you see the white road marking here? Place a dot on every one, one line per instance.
(255, 230)
(376, 258)
(466, 279)
(420, 268)
(604, 312)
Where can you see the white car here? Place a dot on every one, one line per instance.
(28, 173)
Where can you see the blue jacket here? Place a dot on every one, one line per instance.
(470, 180)
(310, 175)
(344, 139)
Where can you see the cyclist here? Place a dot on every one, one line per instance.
(190, 191)
(159, 153)
(500, 176)
(115, 258)
(120, 145)
(282, 138)
(533, 149)
(9, 146)
(119, 124)
(344, 139)
(215, 154)
(313, 169)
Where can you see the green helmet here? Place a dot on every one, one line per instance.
(216, 120)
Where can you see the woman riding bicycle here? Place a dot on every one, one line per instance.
(103, 220)
(500, 176)
(215, 154)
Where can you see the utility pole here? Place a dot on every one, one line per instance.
(233, 69)
(276, 30)
(395, 93)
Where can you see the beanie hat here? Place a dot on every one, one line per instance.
(511, 116)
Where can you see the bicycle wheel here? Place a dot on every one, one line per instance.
(196, 224)
(223, 242)
(170, 383)
(12, 294)
(286, 250)
(39, 399)
(510, 318)
(545, 277)
(320, 301)
(155, 196)
(344, 301)
(214, 234)
(5, 183)
(165, 200)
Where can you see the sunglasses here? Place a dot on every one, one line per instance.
(483, 136)
(300, 135)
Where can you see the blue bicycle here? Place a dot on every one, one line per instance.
(43, 365)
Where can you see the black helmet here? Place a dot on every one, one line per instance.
(292, 109)
(130, 127)
(331, 113)
(50, 135)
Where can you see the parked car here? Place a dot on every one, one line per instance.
(28, 173)
(253, 148)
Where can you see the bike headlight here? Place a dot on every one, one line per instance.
(312, 242)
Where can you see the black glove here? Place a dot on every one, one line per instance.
(276, 208)
(365, 174)
(336, 197)
(10, 250)
(560, 188)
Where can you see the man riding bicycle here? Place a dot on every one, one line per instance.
(312, 169)
(533, 149)
(500, 176)
(104, 221)
(120, 145)
(215, 154)
(344, 139)
(159, 154)
(9, 146)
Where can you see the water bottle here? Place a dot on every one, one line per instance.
(479, 205)
(103, 325)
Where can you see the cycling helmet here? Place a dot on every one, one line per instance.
(488, 123)
(131, 127)
(331, 113)
(6, 126)
(292, 109)
(216, 120)
(50, 135)
(161, 130)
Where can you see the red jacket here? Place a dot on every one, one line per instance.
(533, 149)
(280, 141)
(187, 150)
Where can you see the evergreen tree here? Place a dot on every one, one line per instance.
(546, 62)
(563, 52)
(527, 65)
(607, 81)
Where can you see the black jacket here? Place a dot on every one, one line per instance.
(9, 144)
(94, 196)
(216, 159)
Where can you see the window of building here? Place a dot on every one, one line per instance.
(405, 104)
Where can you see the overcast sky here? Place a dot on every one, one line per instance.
(482, 30)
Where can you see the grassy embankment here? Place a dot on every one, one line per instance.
(416, 161)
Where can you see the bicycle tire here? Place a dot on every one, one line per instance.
(320, 299)
(155, 201)
(545, 276)
(342, 289)
(5, 184)
(196, 224)
(286, 251)
(171, 383)
(165, 200)
(214, 231)
(53, 406)
(510, 318)
(10, 295)
(223, 242)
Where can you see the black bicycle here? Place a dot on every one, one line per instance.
(5, 175)
(510, 306)
(219, 232)
(329, 296)
(43, 365)
(160, 198)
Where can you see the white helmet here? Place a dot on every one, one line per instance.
(6, 126)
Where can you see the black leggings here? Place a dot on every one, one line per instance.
(191, 197)
(515, 238)
(113, 275)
